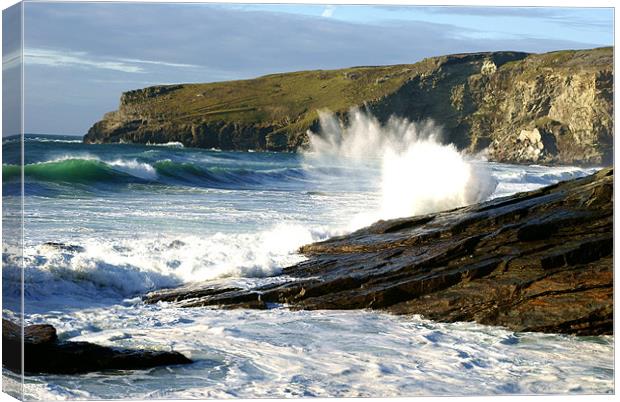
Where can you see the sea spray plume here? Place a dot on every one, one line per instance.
(365, 137)
(418, 173)
(430, 177)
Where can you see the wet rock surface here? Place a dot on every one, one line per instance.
(44, 353)
(535, 261)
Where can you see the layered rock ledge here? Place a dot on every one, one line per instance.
(535, 261)
(45, 353)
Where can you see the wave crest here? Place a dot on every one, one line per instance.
(92, 170)
(74, 170)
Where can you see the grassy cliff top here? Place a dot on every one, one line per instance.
(291, 100)
(588, 59)
(286, 99)
(275, 98)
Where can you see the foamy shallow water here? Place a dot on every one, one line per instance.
(279, 353)
(157, 217)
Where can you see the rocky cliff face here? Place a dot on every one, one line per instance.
(540, 108)
(548, 108)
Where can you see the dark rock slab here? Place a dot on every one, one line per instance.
(64, 247)
(535, 261)
(44, 353)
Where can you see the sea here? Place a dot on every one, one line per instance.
(106, 223)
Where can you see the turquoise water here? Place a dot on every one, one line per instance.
(147, 217)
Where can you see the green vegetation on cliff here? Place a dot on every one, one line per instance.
(483, 101)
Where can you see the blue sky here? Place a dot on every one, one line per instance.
(80, 57)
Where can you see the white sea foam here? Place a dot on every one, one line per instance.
(170, 144)
(282, 353)
(513, 179)
(64, 157)
(39, 139)
(134, 168)
(136, 265)
(418, 175)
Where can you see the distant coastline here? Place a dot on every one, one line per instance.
(516, 107)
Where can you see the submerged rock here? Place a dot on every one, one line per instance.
(44, 353)
(534, 261)
(63, 247)
(175, 244)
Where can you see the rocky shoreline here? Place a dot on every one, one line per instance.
(534, 261)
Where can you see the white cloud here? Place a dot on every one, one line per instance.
(159, 63)
(11, 60)
(58, 58)
(328, 12)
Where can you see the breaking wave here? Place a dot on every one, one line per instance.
(133, 266)
(86, 170)
(418, 174)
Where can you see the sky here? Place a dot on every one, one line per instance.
(79, 57)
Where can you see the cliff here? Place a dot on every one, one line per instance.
(526, 108)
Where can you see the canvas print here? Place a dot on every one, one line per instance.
(226, 200)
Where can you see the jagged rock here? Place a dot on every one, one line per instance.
(488, 67)
(532, 136)
(535, 261)
(44, 353)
